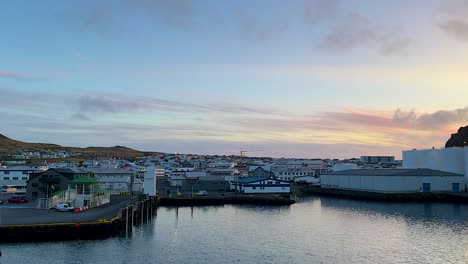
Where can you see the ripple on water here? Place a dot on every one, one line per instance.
(315, 230)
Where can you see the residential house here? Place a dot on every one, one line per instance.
(255, 185)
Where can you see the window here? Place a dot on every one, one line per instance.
(24, 178)
(269, 182)
(15, 178)
(25, 172)
(34, 194)
(6, 178)
(6, 172)
(87, 190)
(253, 188)
(35, 185)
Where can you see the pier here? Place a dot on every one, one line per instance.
(27, 224)
(461, 198)
(117, 218)
(231, 199)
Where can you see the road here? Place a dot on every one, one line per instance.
(12, 216)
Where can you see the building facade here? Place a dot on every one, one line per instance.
(14, 178)
(255, 185)
(394, 180)
(44, 184)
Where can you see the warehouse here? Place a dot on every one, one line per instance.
(394, 180)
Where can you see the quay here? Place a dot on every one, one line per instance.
(229, 199)
(27, 224)
(118, 217)
(461, 198)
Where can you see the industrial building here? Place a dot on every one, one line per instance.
(394, 180)
(453, 160)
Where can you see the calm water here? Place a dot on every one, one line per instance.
(315, 230)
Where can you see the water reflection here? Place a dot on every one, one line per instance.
(453, 213)
(314, 230)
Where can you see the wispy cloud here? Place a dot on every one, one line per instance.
(117, 103)
(316, 11)
(255, 28)
(15, 75)
(432, 121)
(452, 18)
(456, 28)
(79, 117)
(355, 30)
(174, 13)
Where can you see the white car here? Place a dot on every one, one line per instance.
(63, 207)
(202, 193)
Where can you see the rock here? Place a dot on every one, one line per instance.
(458, 139)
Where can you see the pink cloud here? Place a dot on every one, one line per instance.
(14, 75)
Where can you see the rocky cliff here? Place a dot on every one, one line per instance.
(458, 139)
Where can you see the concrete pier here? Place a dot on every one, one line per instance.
(26, 224)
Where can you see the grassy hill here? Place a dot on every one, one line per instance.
(11, 146)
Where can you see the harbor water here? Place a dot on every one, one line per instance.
(314, 230)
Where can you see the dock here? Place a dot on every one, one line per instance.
(461, 198)
(222, 200)
(22, 224)
(27, 224)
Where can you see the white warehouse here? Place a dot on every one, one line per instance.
(394, 180)
(448, 159)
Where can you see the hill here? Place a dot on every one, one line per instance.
(11, 146)
(458, 139)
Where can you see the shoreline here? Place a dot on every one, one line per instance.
(222, 200)
(459, 198)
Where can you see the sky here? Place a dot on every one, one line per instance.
(309, 79)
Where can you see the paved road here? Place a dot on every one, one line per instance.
(10, 216)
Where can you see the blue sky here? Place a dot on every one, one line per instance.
(297, 79)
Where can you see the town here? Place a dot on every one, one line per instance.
(48, 184)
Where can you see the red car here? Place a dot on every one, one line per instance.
(17, 200)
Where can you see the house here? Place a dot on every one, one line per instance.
(260, 171)
(254, 185)
(43, 184)
(117, 179)
(289, 174)
(88, 192)
(394, 180)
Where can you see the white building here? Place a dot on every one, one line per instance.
(344, 166)
(14, 178)
(160, 171)
(394, 180)
(254, 185)
(289, 174)
(307, 179)
(117, 179)
(149, 183)
(221, 165)
(448, 159)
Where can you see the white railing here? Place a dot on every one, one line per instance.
(67, 196)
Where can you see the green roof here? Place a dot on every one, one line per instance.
(56, 193)
(84, 180)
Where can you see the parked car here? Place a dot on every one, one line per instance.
(202, 193)
(63, 207)
(17, 200)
